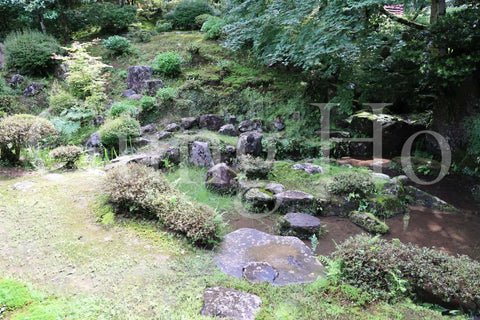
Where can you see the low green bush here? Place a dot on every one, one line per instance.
(60, 99)
(68, 154)
(117, 44)
(125, 107)
(186, 11)
(213, 28)
(142, 35)
(31, 51)
(17, 130)
(166, 94)
(144, 191)
(200, 20)
(163, 26)
(389, 270)
(8, 104)
(352, 182)
(168, 63)
(113, 130)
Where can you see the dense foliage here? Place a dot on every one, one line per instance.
(31, 52)
(352, 182)
(392, 269)
(142, 190)
(168, 63)
(18, 130)
(117, 44)
(119, 130)
(186, 11)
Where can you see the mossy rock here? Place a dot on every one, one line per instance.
(369, 222)
(387, 205)
(417, 197)
(258, 200)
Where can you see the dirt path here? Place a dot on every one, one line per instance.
(46, 240)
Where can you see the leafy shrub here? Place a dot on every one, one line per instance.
(68, 154)
(8, 103)
(117, 44)
(148, 103)
(352, 182)
(163, 26)
(213, 28)
(168, 63)
(86, 75)
(119, 128)
(141, 35)
(186, 11)
(17, 130)
(193, 48)
(166, 94)
(4, 89)
(142, 190)
(392, 269)
(60, 99)
(110, 17)
(31, 51)
(200, 20)
(125, 107)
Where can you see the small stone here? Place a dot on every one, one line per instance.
(128, 93)
(149, 128)
(188, 123)
(299, 225)
(308, 168)
(258, 272)
(135, 97)
(379, 175)
(200, 155)
(162, 135)
(228, 130)
(172, 127)
(225, 303)
(33, 89)
(278, 124)
(16, 80)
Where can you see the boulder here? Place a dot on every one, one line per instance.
(162, 135)
(16, 80)
(154, 160)
(295, 201)
(221, 178)
(152, 86)
(308, 168)
(140, 142)
(386, 205)
(258, 200)
(128, 93)
(33, 88)
(300, 225)
(228, 130)
(136, 77)
(378, 175)
(93, 141)
(274, 187)
(172, 127)
(332, 133)
(288, 256)
(250, 143)
(225, 303)
(188, 123)
(278, 124)
(418, 197)
(233, 120)
(200, 155)
(369, 222)
(149, 128)
(211, 122)
(99, 120)
(258, 272)
(250, 125)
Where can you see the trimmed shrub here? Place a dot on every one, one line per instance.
(125, 107)
(142, 190)
(163, 26)
(31, 51)
(186, 11)
(213, 28)
(119, 128)
(352, 182)
(19, 129)
(391, 269)
(168, 63)
(141, 35)
(68, 154)
(166, 94)
(117, 44)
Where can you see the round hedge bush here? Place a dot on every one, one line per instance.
(352, 182)
(113, 130)
(117, 44)
(168, 63)
(31, 51)
(68, 154)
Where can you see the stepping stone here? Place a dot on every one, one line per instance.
(258, 200)
(258, 272)
(308, 168)
(295, 201)
(299, 225)
(289, 256)
(225, 303)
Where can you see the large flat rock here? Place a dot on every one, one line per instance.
(288, 256)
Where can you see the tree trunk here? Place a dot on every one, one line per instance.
(437, 10)
(42, 24)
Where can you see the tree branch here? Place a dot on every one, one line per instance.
(401, 20)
